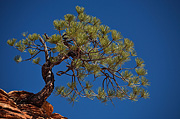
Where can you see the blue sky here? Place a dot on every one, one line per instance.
(153, 26)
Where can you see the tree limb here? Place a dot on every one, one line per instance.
(45, 48)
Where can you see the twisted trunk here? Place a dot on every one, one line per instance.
(48, 76)
(39, 98)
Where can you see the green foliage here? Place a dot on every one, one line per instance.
(135, 80)
(127, 74)
(139, 62)
(88, 85)
(22, 48)
(81, 73)
(141, 71)
(115, 35)
(89, 94)
(72, 98)
(17, 58)
(133, 53)
(79, 9)
(24, 34)
(60, 24)
(36, 61)
(60, 90)
(95, 21)
(93, 68)
(82, 17)
(101, 95)
(11, 42)
(26, 42)
(104, 41)
(111, 93)
(136, 90)
(18, 44)
(129, 44)
(144, 94)
(60, 47)
(144, 81)
(33, 37)
(32, 52)
(63, 91)
(119, 94)
(88, 47)
(69, 17)
(71, 85)
(81, 39)
(104, 30)
(55, 39)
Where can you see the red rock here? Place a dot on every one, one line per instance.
(48, 108)
(57, 116)
(8, 108)
(17, 96)
(12, 110)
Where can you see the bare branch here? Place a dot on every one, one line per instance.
(59, 73)
(32, 56)
(45, 48)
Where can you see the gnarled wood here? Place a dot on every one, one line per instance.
(48, 76)
(39, 98)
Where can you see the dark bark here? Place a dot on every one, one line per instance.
(39, 98)
(48, 76)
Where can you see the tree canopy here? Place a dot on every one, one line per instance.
(88, 48)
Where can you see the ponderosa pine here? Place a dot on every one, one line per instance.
(88, 48)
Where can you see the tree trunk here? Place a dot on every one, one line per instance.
(39, 98)
(48, 76)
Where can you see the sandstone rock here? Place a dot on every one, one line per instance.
(48, 108)
(17, 96)
(11, 108)
(57, 116)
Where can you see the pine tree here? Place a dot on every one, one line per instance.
(87, 48)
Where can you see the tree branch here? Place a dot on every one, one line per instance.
(45, 48)
(32, 56)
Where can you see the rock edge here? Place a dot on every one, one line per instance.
(11, 109)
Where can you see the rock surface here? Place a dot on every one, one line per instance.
(12, 108)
